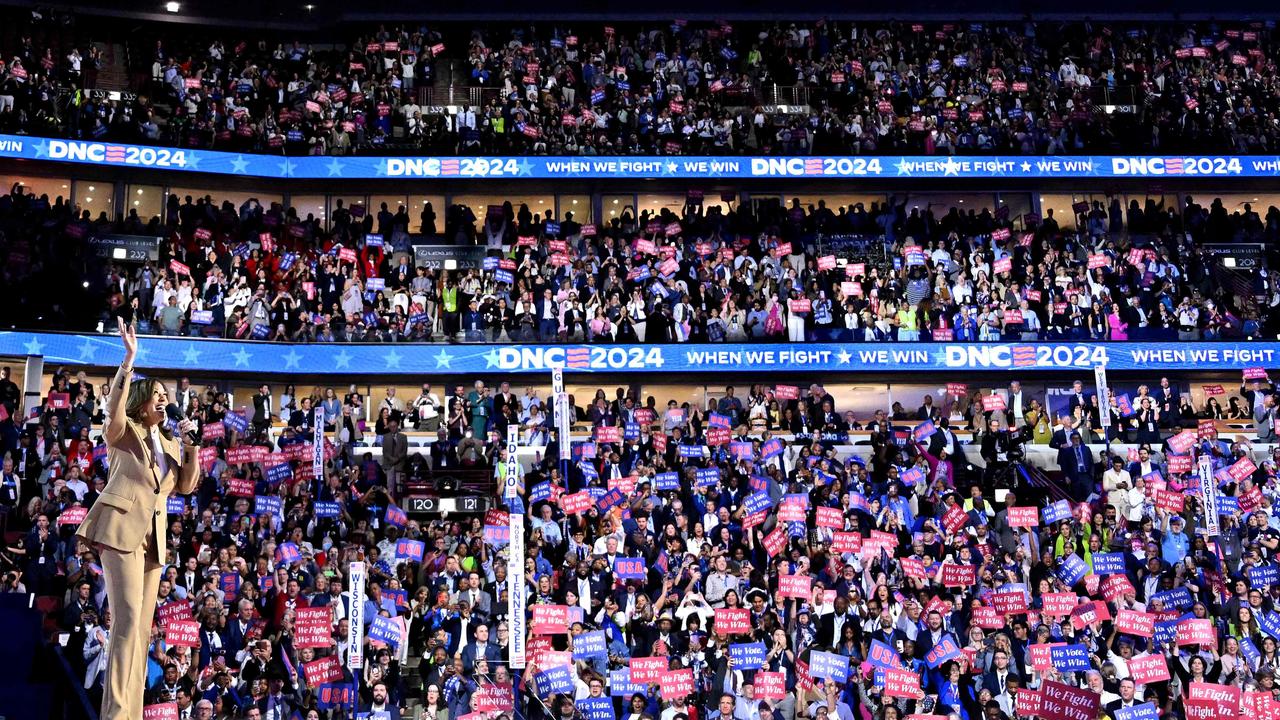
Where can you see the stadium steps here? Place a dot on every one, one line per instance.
(450, 85)
(1240, 285)
(113, 75)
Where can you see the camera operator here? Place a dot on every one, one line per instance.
(1002, 450)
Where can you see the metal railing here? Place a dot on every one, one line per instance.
(775, 94)
(1124, 96)
(456, 95)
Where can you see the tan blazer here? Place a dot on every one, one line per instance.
(134, 503)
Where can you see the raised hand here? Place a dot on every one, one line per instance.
(129, 336)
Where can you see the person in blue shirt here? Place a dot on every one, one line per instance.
(894, 502)
(1176, 544)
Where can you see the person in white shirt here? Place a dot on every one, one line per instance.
(465, 118)
(1116, 482)
(96, 643)
(1137, 501)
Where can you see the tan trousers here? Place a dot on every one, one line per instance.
(131, 594)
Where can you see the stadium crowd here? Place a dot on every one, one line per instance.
(890, 579)
(678, 88)
(794, 273)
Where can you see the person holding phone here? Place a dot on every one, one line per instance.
(127, 524)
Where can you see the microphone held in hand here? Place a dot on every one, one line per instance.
(175, 414)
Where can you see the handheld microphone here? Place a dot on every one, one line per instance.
(175, 414)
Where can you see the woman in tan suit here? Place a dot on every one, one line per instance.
(127, 523)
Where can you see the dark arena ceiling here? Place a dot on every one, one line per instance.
(320, 14)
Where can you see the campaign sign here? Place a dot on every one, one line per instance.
(173, 611)
(958, 575)
(1241, 469)
(410, 549)
(987, 618)
(748, 656)
(772, 447)
(829, 517)
(786, 392)
(73, 515)
(883, 656)
(902, 683)
(327, 509)
(1197, 632)
(575, 503)
(1145, 711)
(791, 512)
(992, 403)
(1010, 602)
(277, 473)
(795, 586)
(1249, 500)
(629, 568)
(954, 519)
(1108, 563)
(497, 535)
(924, 431)
(1264, 576)
(1038, 655)
(1166, 631)
(313, 627)
(648, 670)
(266, 504)
(912, 477)
(661, 481)
(733, 621)
(829, 666)
(706, 476)
(844, 542)
(757, 502)
(323, 670)
(1072, 570)
(600, 708)
(1023, 516)
(1069, 658)
(691, 451)
(770, 685)
(1060, 510)
(1250, 651)
(621, 684)
(1169, 501)
(553, 680)
(1208, 701)
(236, 421)
(1149, 668)
(550, 619)
(1178, 598)
(675, 683)
(589, 645)
(288, 553)
(942, 652)
(182, 633)
(609, 499)
(1063, 702)
(1059, 603)
(161, 711)
(1182, 442)
(1134, 622)
(387, 630)
(1028, 705)
(330, 696)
